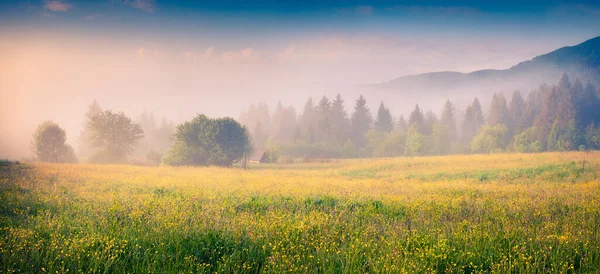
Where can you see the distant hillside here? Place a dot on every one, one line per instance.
(580, 61)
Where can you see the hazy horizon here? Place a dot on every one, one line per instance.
(179, 58)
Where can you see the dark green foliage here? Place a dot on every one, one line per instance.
(205, 141)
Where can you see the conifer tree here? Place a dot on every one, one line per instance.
(383, 122)
(361, 121)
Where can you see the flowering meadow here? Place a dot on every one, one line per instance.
(499, 213)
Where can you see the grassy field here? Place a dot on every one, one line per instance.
(521, 213)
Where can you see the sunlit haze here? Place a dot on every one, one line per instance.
(181, 58)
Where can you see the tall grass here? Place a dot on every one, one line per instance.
(537, 213)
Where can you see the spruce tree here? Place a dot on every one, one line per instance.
(383, 122)
(416, 119)
(518, 114)
(448, 120)
(361, 121)
(339, 120)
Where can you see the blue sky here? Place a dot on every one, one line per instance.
(275, 20)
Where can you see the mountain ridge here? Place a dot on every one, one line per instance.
(578, 61)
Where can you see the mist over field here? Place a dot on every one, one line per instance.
(178, 60)
(184, 136)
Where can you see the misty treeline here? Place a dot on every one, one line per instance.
(112, 137)
(106, 137)
(565, 116)
(560, 117)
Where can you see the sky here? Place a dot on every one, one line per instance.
(179, 58)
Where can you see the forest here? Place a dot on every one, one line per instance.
(561, 117)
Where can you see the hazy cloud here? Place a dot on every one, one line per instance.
(56, 6)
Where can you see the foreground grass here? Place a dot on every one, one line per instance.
(483, 213)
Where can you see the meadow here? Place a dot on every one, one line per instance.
(499, 213)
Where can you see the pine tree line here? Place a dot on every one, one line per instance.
(565, 116)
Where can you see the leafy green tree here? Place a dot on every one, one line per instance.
(527, 142)
(383, 122)
(361, 121)
(115, 134)
(414, 141)
(48, 144)
(385, 144)
(374, 141)
(205, 141)
(489, 139)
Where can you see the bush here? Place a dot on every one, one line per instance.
(490, 139)
(527, 142)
